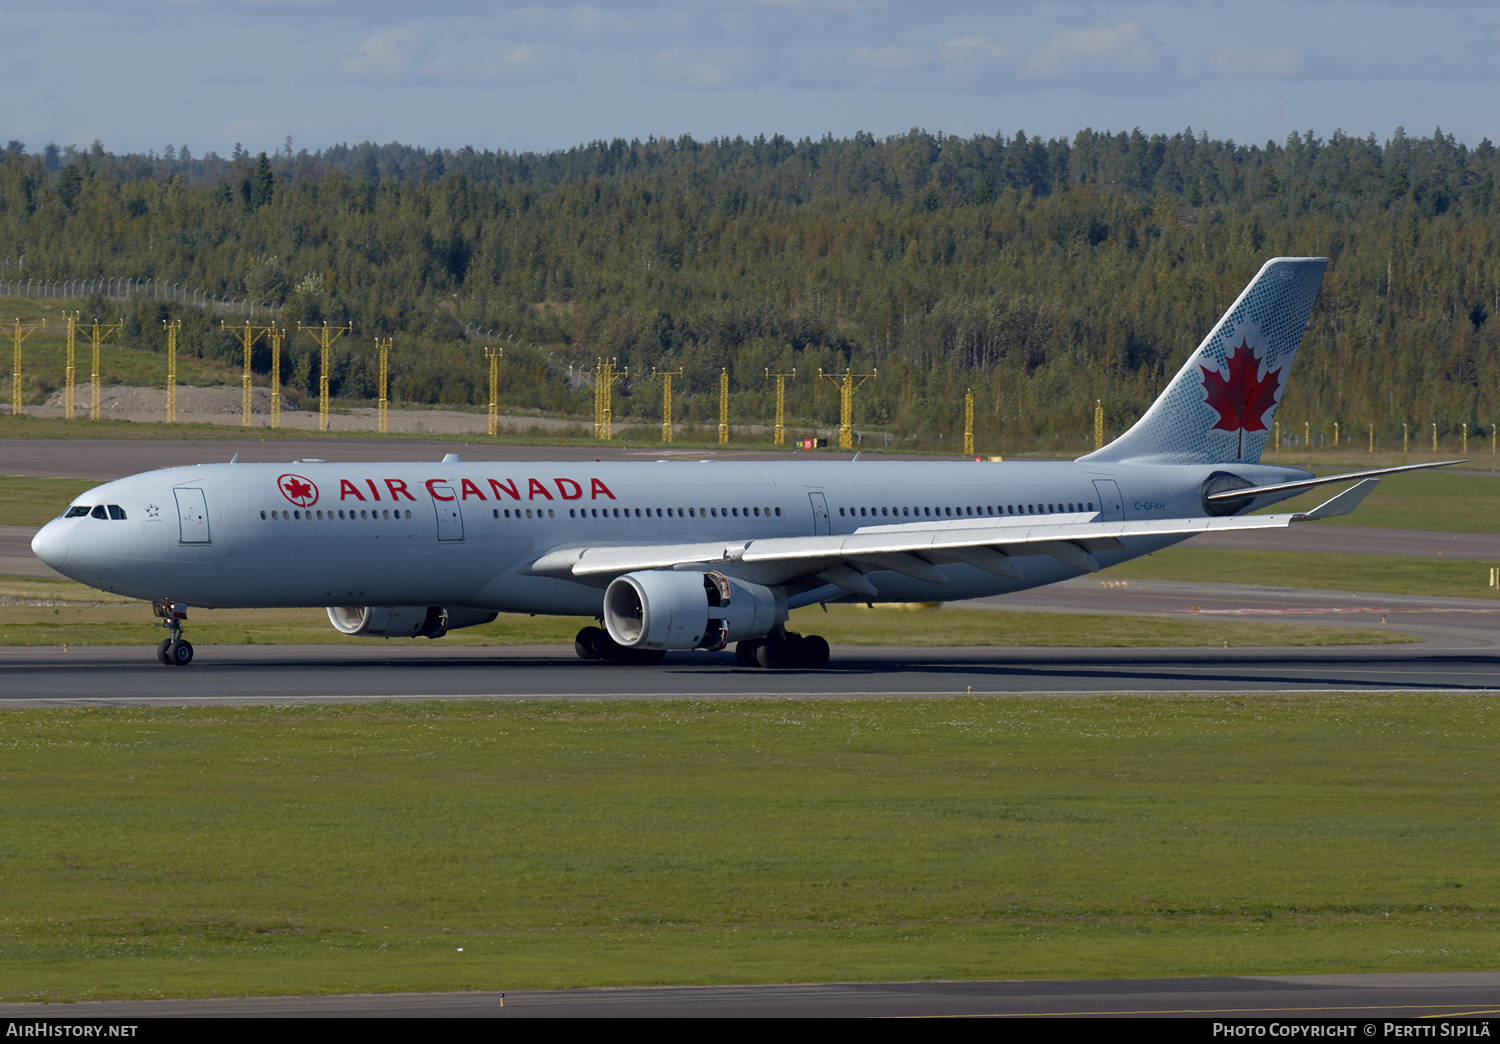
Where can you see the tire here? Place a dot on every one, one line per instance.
(613, 650)
(814, 653)
(773, 652)
(161, 652)
(744, 653)
(180, 652)
(589, 643)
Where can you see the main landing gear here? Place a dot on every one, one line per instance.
(779, 650)
(783, 649)
(594, 643)
(175, 651)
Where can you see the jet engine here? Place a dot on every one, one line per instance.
(668, 609)
(404, 621)
(1223, 482)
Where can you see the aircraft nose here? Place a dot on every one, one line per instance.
(51, 545)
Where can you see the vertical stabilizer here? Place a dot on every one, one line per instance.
(1222, 403)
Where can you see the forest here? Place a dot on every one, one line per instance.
(1043, 275)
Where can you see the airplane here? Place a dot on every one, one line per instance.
(677, 556)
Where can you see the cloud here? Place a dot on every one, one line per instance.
(1106, 51)
(232, 79)
(876, 67)
(389, 53)
(401, 57)
(972, 61)
(593, 25)
(705, 69)
(1257, 63)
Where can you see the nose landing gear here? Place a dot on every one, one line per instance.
(175, 651)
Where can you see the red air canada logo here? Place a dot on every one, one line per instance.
(298, 490)
(1243, 399)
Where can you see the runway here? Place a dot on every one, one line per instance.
(1347, 998)
(50, 676)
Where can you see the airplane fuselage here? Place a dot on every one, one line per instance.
(465, 533)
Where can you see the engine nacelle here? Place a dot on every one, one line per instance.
(404, 621)
(670, 609)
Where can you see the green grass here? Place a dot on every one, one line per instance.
(72, 615)
(1445, 501)
(36, 501)
(191, 852)
(44, 356)
(1456, 577)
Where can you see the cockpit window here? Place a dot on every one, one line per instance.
(116, 512)
(98, 512)
(77, 511)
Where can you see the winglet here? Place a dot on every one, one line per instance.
(1343, 504)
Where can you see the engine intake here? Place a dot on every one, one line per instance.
(668, 609)
(404, 621)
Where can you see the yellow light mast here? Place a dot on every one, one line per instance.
(847, 382)
(781, 379)
(325, 335)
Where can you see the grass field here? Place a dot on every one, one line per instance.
(1458, 577)
(191, 852)
(1447, 501)
(36, 501)
(45, 355)
(65, 616)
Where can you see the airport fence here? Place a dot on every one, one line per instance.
(125, 289)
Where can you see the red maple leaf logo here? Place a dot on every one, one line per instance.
(298, 490)
(1242, 400)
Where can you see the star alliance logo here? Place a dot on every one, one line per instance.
(152, 511)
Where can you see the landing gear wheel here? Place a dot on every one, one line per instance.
(744, 653)
(161, 652)
(773, 651)
(813, 654)
(180, 652)
(589, 643)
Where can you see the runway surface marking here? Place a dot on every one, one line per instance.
(1203, 1011)
(1318, 610)
(205, 701)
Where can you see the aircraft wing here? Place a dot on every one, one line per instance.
(915, 548)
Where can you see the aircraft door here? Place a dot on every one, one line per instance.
(1111, 504)
(821, 525)
(450, 520)
(192, 516)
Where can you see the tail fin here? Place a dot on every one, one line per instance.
(1220, 406)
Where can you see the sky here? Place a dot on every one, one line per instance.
(143, 74)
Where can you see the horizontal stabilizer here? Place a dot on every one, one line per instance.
(1251, 492)
(1344, 503)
